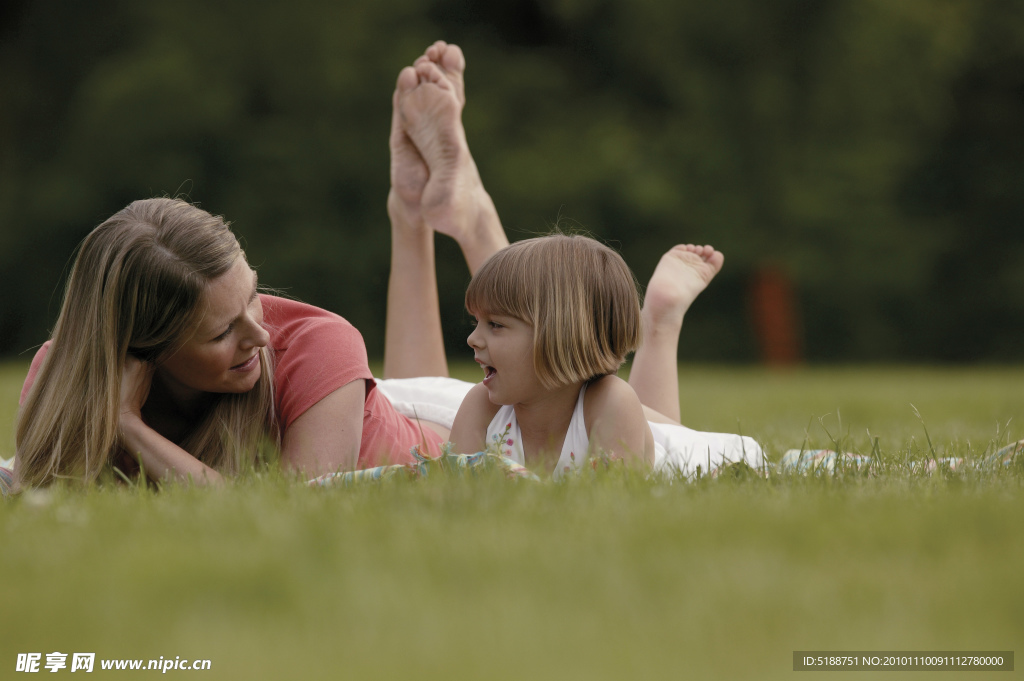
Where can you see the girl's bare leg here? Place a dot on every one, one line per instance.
(435, 186)
(681, 274)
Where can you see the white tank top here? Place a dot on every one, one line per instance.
(504, 428)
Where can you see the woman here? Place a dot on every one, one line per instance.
(165, 350)
(163, 347)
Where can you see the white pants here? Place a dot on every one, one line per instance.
(678, 450)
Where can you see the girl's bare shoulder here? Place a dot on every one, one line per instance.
(615, 420)
(480, 404)
(469, 432)
(609, 395)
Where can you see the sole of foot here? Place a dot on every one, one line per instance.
(681, 275)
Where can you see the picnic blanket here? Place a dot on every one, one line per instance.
(447, 462)
(826, 461)
(6, 476)
(794, 461)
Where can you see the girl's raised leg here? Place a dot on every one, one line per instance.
(682, 273)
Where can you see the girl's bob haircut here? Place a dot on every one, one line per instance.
(579, 295)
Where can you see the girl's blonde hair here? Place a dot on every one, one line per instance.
(579, 296)
(137, 286)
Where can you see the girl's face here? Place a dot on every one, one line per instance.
(503, 346)
(222, 355)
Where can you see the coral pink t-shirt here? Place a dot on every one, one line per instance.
(316, 352)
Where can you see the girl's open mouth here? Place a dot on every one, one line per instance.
(489, 373)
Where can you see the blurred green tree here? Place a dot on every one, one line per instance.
(864, 147)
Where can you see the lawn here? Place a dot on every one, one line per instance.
(609, 577)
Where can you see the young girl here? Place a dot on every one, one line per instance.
(556, 317)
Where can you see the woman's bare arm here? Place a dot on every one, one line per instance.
(327, 436)
(160, 458)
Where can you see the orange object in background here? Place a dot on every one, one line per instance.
(776, 322)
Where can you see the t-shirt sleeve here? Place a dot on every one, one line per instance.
(324, 354)
(33, 371)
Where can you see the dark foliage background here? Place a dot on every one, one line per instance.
(869, 149)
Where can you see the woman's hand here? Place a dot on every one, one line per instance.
(136, 380)
(161, 458)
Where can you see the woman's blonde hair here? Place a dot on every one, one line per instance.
(137, 286)
(579, 296)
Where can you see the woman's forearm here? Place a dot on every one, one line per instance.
(162, 459)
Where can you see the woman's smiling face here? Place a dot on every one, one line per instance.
(222, 354)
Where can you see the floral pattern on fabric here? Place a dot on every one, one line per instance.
(447, 462)
(826, 461)
(6, 481)
(501, 444)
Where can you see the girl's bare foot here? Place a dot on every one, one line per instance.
(682, 273)
(680, 276)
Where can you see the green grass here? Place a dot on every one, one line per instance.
(605, 578)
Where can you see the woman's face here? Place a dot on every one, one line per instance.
(222, 355)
